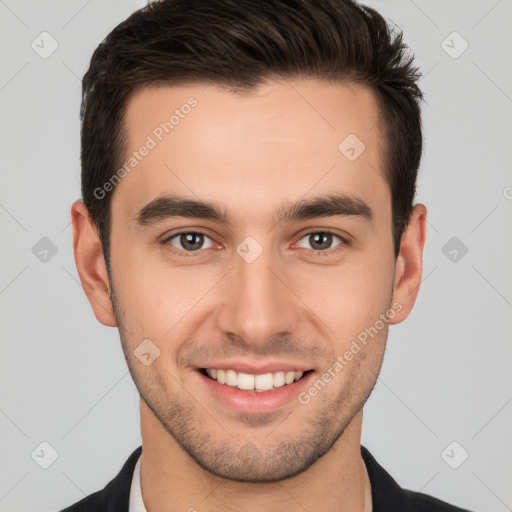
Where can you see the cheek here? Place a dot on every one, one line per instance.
(154, 296)
(349, 297)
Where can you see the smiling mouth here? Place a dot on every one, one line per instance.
(248, 382)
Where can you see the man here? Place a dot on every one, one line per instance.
(248, 177)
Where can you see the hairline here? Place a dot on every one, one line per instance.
(342, 78)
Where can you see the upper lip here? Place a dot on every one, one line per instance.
(257, 369)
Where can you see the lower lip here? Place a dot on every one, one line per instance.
(256, 401)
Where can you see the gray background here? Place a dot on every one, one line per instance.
(446, 374)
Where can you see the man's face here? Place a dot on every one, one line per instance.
(257, 295)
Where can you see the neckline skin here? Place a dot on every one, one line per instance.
(139, 505)
(169, 475)
(368, 504)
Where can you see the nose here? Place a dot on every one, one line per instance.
(258, 302)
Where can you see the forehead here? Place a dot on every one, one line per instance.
(280, 141)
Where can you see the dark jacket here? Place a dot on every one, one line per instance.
(387, 495)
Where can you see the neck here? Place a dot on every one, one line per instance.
(172, 481)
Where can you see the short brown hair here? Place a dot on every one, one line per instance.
(239, 44)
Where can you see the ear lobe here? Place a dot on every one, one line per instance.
(409, 264)
(90, 264)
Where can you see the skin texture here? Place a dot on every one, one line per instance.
(295, 303)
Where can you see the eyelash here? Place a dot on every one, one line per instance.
(313, 252)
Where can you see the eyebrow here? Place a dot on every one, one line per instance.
(327, 205)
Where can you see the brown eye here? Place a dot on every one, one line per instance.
(189, 241)
(319, 240)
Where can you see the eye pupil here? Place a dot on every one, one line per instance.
(187, 241)
(317, 238)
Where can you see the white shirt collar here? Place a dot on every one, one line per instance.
(136, 503)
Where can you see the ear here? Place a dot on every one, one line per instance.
(90, 264)
(409, 263)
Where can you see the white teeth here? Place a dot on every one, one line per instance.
(264, 382)
(231, 379)
(245, 381)
(289, 377)
(278, 379)
(221, 376)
